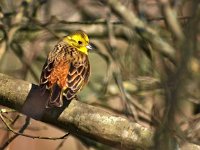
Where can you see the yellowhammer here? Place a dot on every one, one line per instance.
(67, 68)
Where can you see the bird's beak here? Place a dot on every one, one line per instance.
(89, 47)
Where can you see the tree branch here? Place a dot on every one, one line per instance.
(78, 118)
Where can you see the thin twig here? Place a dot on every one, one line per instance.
(60, 144)
(30, 136)
(23, 128)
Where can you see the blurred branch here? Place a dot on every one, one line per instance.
(143, 29)
(116, 70)
(170, 19)
(174, 83)
(60, 145)
(18, 50)
(3, 36)
(93, 28)
(54, 19)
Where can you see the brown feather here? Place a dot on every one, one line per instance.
(66, 70)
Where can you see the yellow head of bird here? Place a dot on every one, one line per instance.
(79, 40)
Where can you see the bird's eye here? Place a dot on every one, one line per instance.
(80, 42)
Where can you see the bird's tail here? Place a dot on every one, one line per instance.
(56, 97)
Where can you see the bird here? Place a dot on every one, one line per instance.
(67, 69)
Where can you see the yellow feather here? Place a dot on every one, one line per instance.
(78, 40)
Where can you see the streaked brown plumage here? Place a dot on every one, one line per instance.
(67, 69)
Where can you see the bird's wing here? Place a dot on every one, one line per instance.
(77, 77)
(64, 73)
(49, 66)
(53, 74)
(46, 72)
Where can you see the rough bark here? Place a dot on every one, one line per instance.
(78, 118)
